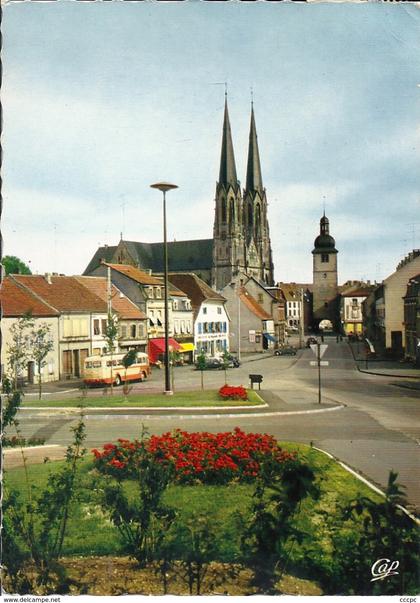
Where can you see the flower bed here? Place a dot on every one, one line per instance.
(229, 392)
(196, 457)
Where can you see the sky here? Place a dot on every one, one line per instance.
(103, 99)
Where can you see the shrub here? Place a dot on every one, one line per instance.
(229, 392)
(198, 456)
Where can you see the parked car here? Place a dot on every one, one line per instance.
(211, 363)
(285, 352)
(310, 341)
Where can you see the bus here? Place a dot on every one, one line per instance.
(99, 370)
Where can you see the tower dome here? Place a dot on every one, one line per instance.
(324, 243)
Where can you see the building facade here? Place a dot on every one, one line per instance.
(412, 320)
(211, 321)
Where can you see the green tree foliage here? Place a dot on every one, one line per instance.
(271, 533)
(34, 528)
(13, 265)
(18, 349)
(144, 520)
(40, 344)
(387, 533)
(111, 338)
(201, 365)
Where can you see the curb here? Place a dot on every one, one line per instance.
(25, 448)
(366, 482)
(388, 374)
(198, 416)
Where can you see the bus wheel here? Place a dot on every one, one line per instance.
(117, 380)
(143, 377)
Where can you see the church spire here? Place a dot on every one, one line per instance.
(227, 175)
(253, 172)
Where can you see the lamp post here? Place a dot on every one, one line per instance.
(164, 187)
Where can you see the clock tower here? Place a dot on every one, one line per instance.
(325, 284)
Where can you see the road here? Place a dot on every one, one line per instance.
(377, 430)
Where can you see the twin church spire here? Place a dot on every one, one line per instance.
(241, 233)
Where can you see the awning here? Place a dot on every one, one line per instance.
(270, 337)
(157, 347)
(187, 347)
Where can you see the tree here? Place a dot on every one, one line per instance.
(201, 365)
(18, 350)
(13, 265)
(41, 344)
(127, 361)
(111, 337)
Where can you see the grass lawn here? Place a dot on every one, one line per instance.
(91, 532)
(184, 399)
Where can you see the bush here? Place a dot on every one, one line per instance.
(197, 457)
(229, 392)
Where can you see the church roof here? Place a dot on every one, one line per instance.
(253, 171)
(196, 254)
(105, 253)
(227, 173)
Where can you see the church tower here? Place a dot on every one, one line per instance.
(258, 253)
(228, 236)
(325, 285)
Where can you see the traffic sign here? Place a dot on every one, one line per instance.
(322, 349)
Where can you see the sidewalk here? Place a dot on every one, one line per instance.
(385, 368)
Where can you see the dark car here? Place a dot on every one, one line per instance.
(310, 341)
(285, 352)
(211, 363)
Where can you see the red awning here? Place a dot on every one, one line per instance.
(157, 347)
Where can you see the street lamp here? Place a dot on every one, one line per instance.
(165, 186)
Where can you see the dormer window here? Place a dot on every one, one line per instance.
(175, 304)
(158, 293)
(150, 292)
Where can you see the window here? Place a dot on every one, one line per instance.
(103, 321)
(325, 258)
(176, 327)
(150, 292)
(204, 310)
(182, 326)
(141, 329)
(158, 292)
(200, 328)
(260, 298)
(219, 310)
(133, 331)
(123, 331)
(175, 304)
(96, 330)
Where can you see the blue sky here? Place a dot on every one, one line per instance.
(103, 99)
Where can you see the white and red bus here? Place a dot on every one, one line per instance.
(101, 370)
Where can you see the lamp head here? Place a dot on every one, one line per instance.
(163, 186)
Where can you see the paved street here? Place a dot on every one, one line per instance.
(376, 430)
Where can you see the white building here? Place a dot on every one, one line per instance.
(211, 321)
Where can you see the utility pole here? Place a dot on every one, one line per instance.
(318, 357)
(301, 320)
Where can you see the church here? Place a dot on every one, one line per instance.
(241, 239)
